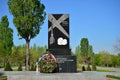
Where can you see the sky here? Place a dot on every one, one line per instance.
(97, 20)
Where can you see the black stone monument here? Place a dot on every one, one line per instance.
(58, 42)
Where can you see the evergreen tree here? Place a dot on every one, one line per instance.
(8, 67)
(88, 68)
(84, 48)
(33, 68)
(6, 38)
(90, 54)
(20, 68)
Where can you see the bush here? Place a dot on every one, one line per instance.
(88, 68)
(33, 68)
(83, 68)
(8, 67)
(94, 67)
(1, 66)
(20, 68)
(47, 63)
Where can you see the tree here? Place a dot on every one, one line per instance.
(117, 45)
(90, 54)
(28, 15)
(114, 60)
(6, 38)
(78, 54)
(77, 50)
(36, 52)
(1, 54)
(18, 54)
(96, 59)
(84, 48)
(118, 59)
(8, 67)
(90, 51)
(105, 58)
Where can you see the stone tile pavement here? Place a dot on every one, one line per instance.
(32, 75)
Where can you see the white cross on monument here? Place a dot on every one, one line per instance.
(56, 23)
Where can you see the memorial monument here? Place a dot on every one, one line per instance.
(58, 42)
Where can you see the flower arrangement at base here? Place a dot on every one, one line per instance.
(47, 63)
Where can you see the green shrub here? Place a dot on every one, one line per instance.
(88, 68)
(1, 66)
(8, 67)
(94, 67)
(83, 68)
(20, 68)
(33, 68)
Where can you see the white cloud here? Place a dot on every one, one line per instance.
(61, 41)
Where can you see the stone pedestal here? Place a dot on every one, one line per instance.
(66, 62)
(60, 51)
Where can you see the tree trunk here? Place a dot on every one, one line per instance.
(27, 56)
(4, 62)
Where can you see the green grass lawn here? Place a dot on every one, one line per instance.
(1, 77)
(112, 76)
(105, 71)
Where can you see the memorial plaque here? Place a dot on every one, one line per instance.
(66, 63)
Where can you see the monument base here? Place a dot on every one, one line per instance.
(66, 63)
(60, 51)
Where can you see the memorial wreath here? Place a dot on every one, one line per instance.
(47, 63)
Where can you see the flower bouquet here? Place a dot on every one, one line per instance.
(47, 63)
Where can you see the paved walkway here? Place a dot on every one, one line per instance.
(31, 75)
(86, 75)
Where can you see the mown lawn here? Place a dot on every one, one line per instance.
(1, 77)
(113, 77)
(105, 71)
